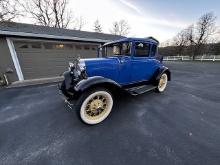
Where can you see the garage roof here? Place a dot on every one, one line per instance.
(36, 31)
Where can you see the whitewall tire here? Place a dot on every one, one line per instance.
(162, 84)
(95, 106)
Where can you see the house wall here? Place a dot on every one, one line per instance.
(6, 61)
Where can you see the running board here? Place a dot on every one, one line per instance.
(140, 89)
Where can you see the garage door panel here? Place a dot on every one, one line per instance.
(43, 63)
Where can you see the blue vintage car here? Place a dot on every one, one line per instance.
(128, 65)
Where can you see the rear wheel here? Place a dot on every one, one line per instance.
(162, 84)
(94, 106)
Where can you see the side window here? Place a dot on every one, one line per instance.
(142, 49)
(126, 48)
(153, 50)
(118, 49)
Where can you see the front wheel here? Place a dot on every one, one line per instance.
(95, 105)
(162, 84)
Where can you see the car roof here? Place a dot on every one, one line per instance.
(148, 39)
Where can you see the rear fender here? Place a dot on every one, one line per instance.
(159, 72)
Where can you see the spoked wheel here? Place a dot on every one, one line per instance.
(162, 84)
(96, 105)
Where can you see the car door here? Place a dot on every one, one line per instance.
(124, 63)
(124, 69)
(121, 53)
(142, 63)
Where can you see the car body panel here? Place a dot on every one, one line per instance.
(143, 68)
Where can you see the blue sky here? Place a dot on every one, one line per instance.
(159, 18)
(170, 16)
(186, 10)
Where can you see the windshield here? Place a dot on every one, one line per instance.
(122, 48)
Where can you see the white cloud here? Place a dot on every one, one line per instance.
(142, 24)
(130, 5)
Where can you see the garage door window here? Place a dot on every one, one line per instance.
(36, 45)
(68, 46)
(78, 47)
(21, 45)
(94, 48)
(48, 45)
(86, 47)
(59, 46)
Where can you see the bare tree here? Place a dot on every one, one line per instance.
(97, 26)
(166, 43)
(201, 33)
(61, 13)
(195, 37)
(52, 13)
(180, 41)
(8, 10)
(218, 34)
(120, 28)
(115, 28)
(189, 32)
(79, 23)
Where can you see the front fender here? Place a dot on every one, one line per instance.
(68, 79)
(92, 82)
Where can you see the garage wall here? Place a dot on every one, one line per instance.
(43, 59)
(6, 60)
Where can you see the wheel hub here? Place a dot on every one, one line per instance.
(162, 81)
(96, 106)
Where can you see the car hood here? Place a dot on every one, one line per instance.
(106, 67)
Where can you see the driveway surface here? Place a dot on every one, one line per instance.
(180, 126)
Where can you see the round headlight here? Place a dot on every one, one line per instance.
(71, 64)
(82, 65)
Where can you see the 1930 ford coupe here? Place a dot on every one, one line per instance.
(127, 65)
